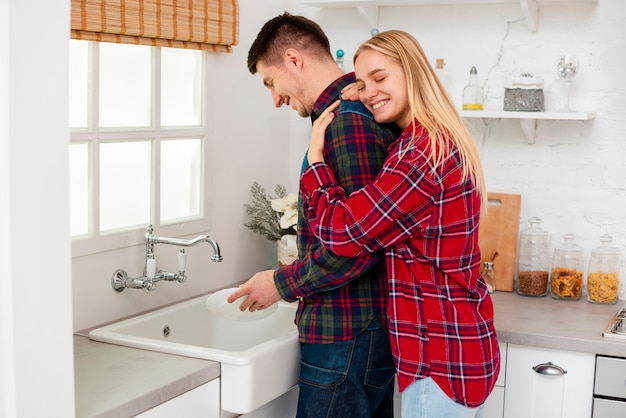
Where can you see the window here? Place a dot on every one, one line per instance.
(138, 141)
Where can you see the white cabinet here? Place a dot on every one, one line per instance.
(494, 405)
(547, 383)
(201, 402)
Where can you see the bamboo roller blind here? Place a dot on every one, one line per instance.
(211, 25)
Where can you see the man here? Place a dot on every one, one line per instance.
(347, 368)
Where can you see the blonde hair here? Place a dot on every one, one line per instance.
(430, 104)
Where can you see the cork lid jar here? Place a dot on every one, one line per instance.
(604, 272)
(532, 269)
(566, 277)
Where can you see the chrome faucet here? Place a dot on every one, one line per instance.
(151, 274)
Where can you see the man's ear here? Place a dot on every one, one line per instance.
(293, 58)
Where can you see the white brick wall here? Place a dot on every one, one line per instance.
(574, 176)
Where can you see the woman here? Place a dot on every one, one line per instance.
(424, 210)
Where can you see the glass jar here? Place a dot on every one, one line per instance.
(532, 269)
(604, 270)
(566, 279)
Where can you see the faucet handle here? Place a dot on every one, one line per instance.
(182, 260)
(151, 267)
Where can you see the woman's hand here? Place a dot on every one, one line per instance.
(350, 92)
(316, 146)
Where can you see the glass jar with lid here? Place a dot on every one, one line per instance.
(604, 270)
(566, 278)
(532, 269)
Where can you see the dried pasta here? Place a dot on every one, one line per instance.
(602, 287)
(566, 283)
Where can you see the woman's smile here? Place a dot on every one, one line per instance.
(379, 104)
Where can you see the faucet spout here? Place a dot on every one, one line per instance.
(217, 255)
(152, 239)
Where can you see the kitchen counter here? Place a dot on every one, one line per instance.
(560, 324)
(115, 381)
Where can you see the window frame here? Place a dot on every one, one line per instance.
(96, 241)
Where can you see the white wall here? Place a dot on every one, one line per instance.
(36, 356)
(574, 177)
(250, 143)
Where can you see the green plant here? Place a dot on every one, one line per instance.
(272, 217)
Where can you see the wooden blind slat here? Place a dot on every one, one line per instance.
(211, 25)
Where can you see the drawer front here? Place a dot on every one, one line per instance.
(604, 408)
(610, 377)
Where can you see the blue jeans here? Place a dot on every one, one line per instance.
(353, 378)
(425, 399)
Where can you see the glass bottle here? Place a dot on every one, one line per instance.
(489, 276)
(473, 93)
(442, 73)
(604, 270)
(566, 279)
(339, 59)
(532, 269)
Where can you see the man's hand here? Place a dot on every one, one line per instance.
(261, 292)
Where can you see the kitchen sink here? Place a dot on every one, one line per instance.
(617, 326)
(260, 359)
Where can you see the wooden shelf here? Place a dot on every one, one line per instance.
(528, 120)
(368, 9)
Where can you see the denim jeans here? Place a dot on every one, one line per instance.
(425, 399)
(348, 379)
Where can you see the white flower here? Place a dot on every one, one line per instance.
(288, 206)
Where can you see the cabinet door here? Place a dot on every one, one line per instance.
(201, 402)
(494, 405)
(536, 388)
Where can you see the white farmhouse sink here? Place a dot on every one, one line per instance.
(260, 359)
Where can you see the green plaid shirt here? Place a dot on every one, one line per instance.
(340, 297)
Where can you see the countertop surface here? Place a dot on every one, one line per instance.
(114, 381)
(117, 382)
(573, 325)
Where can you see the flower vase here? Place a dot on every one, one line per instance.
(287, 250)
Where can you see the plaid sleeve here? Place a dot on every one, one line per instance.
(356, 148)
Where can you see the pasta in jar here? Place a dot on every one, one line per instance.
(566, 283)
(605, 264)
(566, 278)
(602, 287)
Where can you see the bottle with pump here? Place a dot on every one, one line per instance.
(473, 93)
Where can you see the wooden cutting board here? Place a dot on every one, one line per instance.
(498, 233)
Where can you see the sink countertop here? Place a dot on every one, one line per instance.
(116, 381)
(559, 324)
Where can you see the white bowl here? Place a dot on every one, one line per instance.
(217, 303)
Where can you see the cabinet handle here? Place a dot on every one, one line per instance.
(549, 369)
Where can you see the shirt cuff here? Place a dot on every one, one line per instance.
(280, 280)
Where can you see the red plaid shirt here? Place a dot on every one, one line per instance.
(441, 314)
